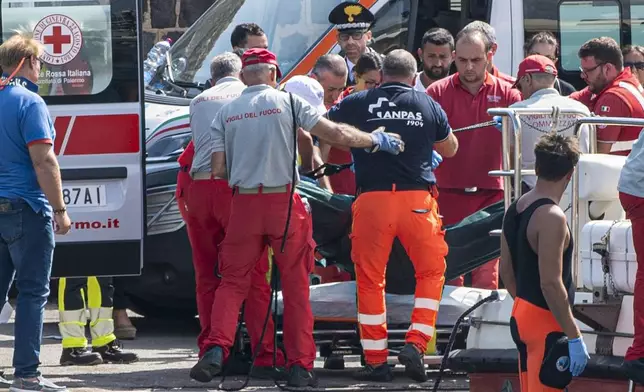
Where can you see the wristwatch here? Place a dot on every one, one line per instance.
(60, 211)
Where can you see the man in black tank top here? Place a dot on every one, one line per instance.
(536, 268)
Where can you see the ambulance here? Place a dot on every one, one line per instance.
(91, 80)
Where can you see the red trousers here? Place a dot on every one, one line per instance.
(454, 206)
(255, 221)
(206, 211)
(634, 207)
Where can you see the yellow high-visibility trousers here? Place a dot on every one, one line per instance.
(75, 297)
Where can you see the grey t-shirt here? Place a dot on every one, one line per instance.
(256, 133)
(203, 109)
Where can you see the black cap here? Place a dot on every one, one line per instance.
(351, 16)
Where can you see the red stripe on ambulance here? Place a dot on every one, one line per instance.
(100, 134)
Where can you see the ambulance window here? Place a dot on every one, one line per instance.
(391, 27)
(76, 38)
(292, 27)
(637, 22)
(580, 21)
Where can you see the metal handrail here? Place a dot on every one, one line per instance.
(513, 115)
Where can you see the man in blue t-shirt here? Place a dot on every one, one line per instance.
(397, 198)
(30, 193)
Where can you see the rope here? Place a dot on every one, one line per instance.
(475, 126)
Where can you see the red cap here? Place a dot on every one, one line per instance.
(260, 56)
(536, 64)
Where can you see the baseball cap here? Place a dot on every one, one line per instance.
(260, 56)
(308, 89)
(535, 64)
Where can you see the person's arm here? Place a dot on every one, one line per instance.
(331, 127)
(306, 149)
(609, 105)
(218, 155)
(342, 134)
(506, 271)
(323, 181)
(552, 232)
(446, 143)
(37, 133)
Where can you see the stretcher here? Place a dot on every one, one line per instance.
(334, 304)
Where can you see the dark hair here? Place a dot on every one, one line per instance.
(369, 61)
(604, 50)
(632, 48)
(542, 37)
(472, 33)
(439, 37)
(555, 156)
(239, 36)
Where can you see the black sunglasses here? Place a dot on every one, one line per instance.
(639, 65)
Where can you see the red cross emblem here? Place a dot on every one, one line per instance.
(57, 39)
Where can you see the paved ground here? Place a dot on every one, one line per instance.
(167, 351)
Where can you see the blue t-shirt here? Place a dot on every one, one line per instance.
(415, 116)
(24, 120)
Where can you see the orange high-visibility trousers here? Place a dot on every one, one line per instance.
(533, 340)
(379, 217)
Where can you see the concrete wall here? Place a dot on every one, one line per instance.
(169, 18)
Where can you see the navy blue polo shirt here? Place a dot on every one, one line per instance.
(414, 115)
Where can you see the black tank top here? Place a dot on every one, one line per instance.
(525, 261)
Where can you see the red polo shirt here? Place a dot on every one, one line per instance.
(480, 150)
(621, 98)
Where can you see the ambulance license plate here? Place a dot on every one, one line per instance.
(84, 195)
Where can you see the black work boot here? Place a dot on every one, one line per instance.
(79, 356)
(209, 365)
(412, 358)
(269, 373)
(377, 373)
(301, 378)
(634, 370)
(113, 352)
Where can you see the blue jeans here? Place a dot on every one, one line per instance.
(26, 251)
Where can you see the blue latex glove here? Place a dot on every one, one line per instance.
(578, 355)
(386, 142)
(499, 122)
(436, 160)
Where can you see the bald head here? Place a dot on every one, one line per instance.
(399, 66)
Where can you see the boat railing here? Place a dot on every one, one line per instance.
(511, 133)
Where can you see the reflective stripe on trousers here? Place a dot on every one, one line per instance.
(378, 218)
(75, 297)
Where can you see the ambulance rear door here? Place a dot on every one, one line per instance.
(91, 81)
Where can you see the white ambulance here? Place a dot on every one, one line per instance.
(91, 82)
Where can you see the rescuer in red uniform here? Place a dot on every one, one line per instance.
(618, 93)
(205, 206)
(255, 149)
(465, 186)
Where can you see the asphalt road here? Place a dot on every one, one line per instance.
(167, 352)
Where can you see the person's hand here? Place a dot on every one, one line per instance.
(63, 224)
(578, 355)
(436, 159)
(387, 142)
(499, 122)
